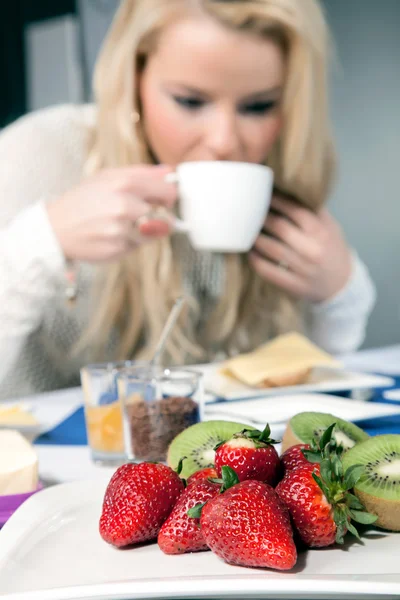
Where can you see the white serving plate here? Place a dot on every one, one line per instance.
(49, 409)
(51, 549)
(277, 411)
(321, 380)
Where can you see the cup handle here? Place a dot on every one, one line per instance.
(172, 177)
(178, 225)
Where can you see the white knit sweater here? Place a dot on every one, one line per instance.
(42, 156)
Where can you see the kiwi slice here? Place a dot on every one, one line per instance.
(197, 443)
(303, 427)
(378, 489)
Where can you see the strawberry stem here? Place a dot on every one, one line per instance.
(260, 438)
(323, 446)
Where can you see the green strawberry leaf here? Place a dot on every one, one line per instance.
(337, 467)
(321, 484)
(327, 436)
(260, 438)
(249, 433)
(339, 538)
(362, 517)
(342, 521)
(326, 471)
(219, 445)
(229, 478)
(353, 530)
(353, 502)
(352, 475)
(340, 515)
(265, 435)
(180, 463)
(195, 511)
(313, 456)
(215, 480)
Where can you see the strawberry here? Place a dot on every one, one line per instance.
(206, 473)
(321, 507)
(293, 457)
(248, 525)
(137, 501)
(251, 455)
(181, 533)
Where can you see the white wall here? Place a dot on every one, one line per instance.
(366, 113)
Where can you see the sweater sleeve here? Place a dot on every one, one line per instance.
(40, 157)
(339, 324)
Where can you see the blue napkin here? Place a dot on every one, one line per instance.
(72, 431)
(382, 425)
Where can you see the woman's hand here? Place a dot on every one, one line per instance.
(104, 217)
(302, 252)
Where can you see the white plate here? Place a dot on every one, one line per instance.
(49, 409)
(279, 410)
(392, 395)
(321, 380)
(51, 549)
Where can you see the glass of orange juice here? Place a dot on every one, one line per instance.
(103, 414)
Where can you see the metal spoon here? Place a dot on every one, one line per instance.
(172, 318)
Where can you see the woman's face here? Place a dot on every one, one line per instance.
(209, 93)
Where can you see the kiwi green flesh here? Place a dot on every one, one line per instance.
(197, 443)
(380, 456)
(308, 425)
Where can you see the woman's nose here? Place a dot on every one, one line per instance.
(222, 137)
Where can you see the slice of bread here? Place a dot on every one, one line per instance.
(286, 360)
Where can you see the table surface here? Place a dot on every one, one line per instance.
(69, 463)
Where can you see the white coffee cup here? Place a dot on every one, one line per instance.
(223, 204)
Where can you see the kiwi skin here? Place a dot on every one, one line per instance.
(387, 509)
(291, 439)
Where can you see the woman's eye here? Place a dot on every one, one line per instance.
(189, 102)
(258, 108)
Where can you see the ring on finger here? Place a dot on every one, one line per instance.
(159, 214)
(141, 221)
(135, 235)
(282, 264)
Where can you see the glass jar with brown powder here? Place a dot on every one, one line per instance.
(157, 404)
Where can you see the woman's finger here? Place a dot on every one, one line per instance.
(281, 277)
(282, 254)
(291, 235)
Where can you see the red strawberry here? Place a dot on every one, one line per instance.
(311, 512)
(181, 533)
(251, 455)
(319, 503)
(138, 500)
(294, 457)
(206, 473)
(248, 525)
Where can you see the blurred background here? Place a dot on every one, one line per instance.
(49, 49)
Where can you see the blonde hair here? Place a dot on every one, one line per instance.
(138, 291)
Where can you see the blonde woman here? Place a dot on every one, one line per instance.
(177, 80)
